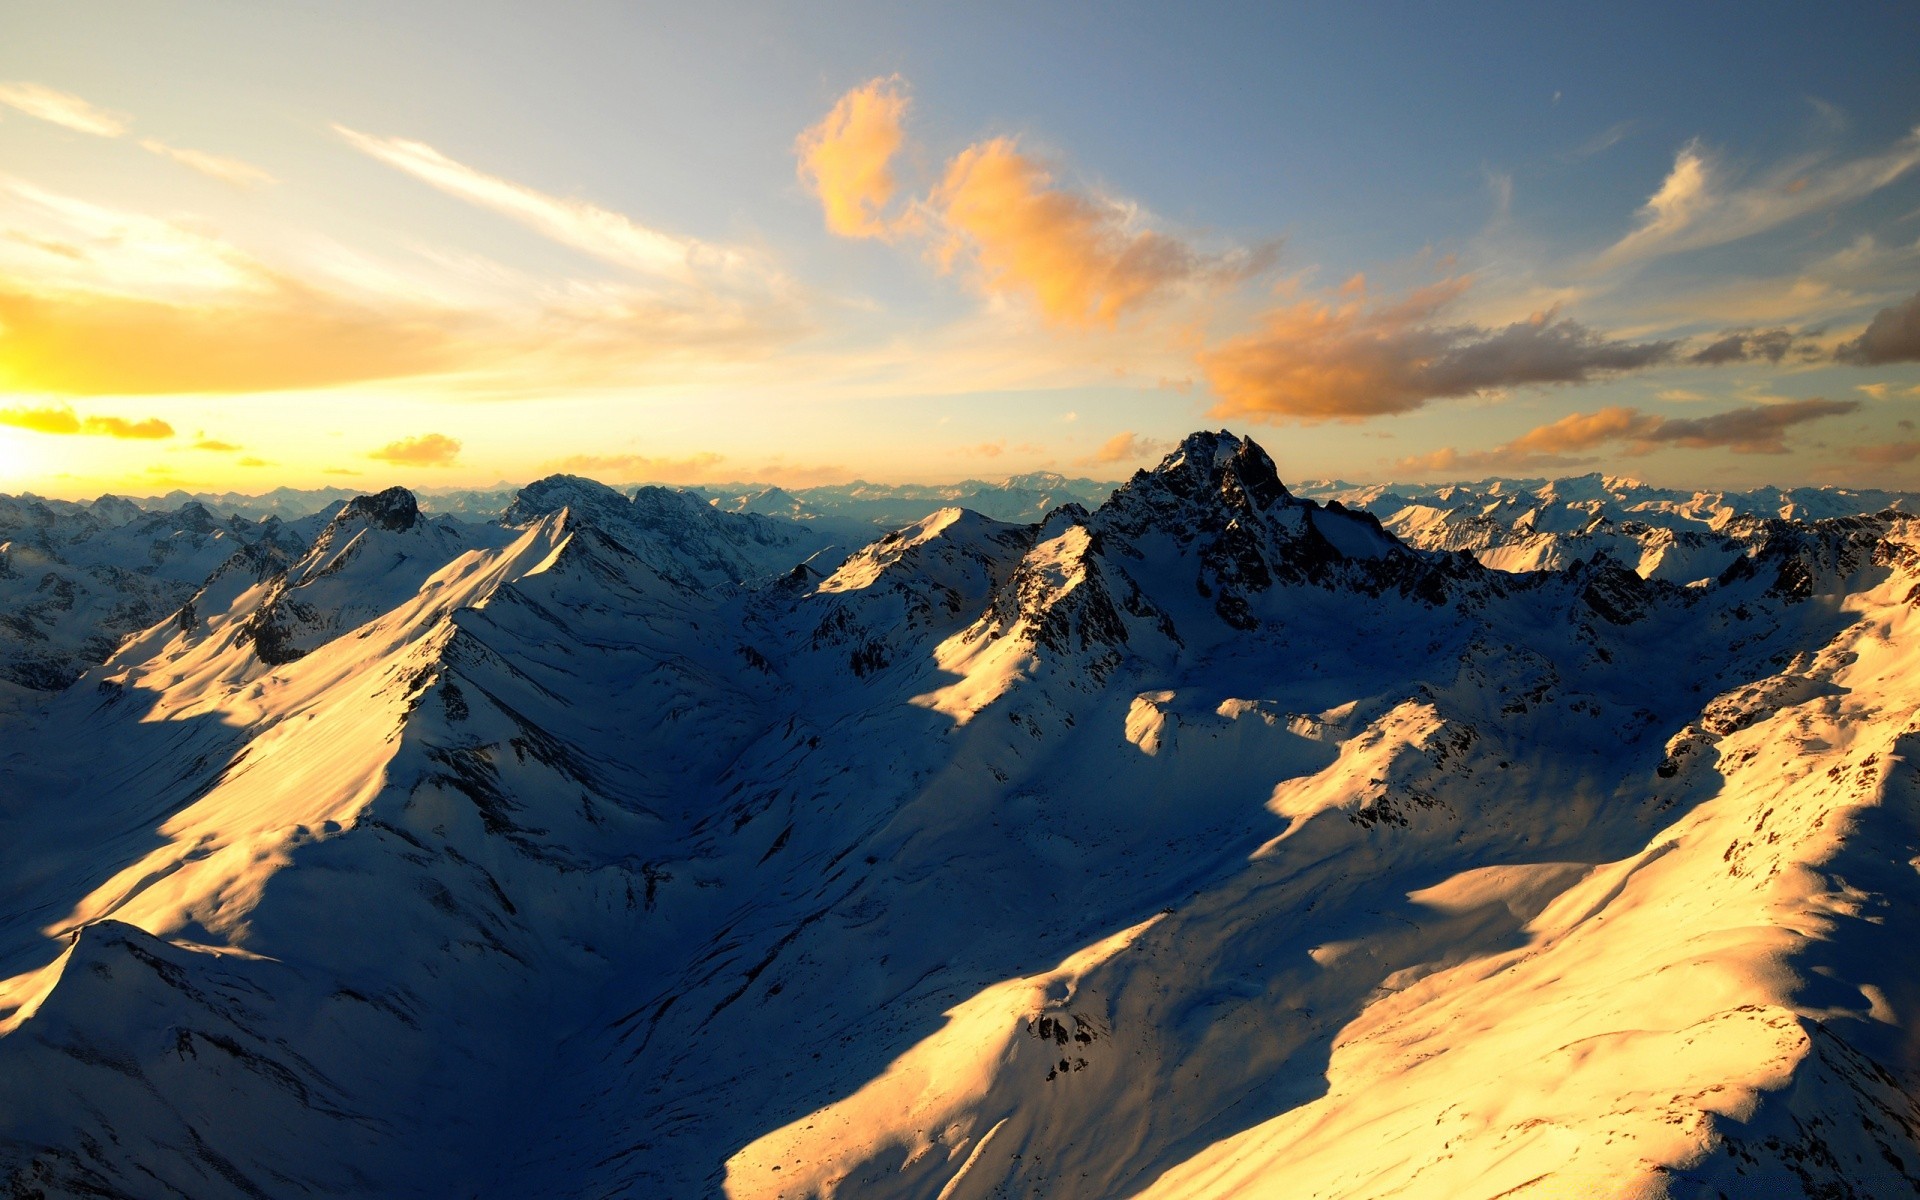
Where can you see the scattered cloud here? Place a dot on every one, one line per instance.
(226, 170)
(846, 160)
(65, 422)
(216, 445)
(1631, 432)
(639, 467)
(1126, 446)
(1880, 391)
(250, 461)
(61, 108)
(1084, 260)
(338, 471)
(1315, 361)
(1892, 336)
(985, 450)
(427, 450)
(1699, 204)
(1745, 345)
(999, 215)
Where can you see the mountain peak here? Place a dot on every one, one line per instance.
(555, 492)
(1209, 467)
(394, 509)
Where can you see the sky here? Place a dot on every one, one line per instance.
(250, 245)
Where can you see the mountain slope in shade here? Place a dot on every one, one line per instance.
(1207, 842)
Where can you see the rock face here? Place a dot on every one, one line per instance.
(1205, 840)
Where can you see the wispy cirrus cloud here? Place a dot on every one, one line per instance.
(1632, 432)
(103, 301)
(607, 235)
(1700, 203)
(72, 112)
(226, 170)
(1350, 359)
(65, 422)
(846, 159)
(61, 108)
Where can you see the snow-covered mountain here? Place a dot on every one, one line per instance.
(77, 578)
(1205, 841)
(1661, 533)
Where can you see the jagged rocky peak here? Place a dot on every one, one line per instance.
(394, 509)
(1211, 479)
(1220, 463)
(194, 517)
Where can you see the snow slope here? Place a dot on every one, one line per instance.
(1210, 842)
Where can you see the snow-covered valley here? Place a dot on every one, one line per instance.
(1206, 841)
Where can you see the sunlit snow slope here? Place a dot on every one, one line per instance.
(1211, 843)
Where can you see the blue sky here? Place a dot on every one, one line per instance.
(455, 243)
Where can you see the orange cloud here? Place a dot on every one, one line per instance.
(216, 445)
(61, 108)
(846, 160)
(1888, 454)
(63, 421)
(1125, 447)
(1314, 361)
(1630, 432)
(427, 450)
(639, 467)
(1080, 259)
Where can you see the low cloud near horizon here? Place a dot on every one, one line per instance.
(1632, 432)
(426, 450)
(65, 422)
(1126, 446)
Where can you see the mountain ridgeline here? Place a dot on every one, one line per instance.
(1197, 840)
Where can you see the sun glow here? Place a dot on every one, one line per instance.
(15, 461)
